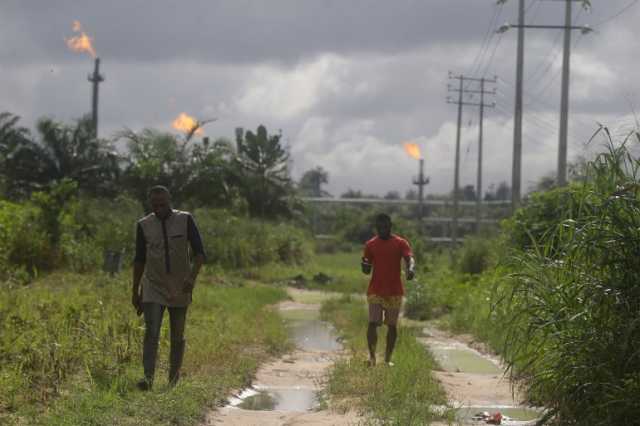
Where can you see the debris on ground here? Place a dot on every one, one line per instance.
(322, 278)
(299, 281)
(490, 419)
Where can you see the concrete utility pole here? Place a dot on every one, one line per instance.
(96, 78)
(516, 172)
(564, 100)
(456, 180)
(480, 137)
(564, 103)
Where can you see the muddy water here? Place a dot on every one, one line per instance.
(456, 358)
(310, 335)
(287, 399)
(475, 382)
(308, 332)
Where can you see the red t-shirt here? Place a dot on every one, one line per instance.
(386, 257)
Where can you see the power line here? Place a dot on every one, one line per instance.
(553, 55)
(611, 18)
(489, 35)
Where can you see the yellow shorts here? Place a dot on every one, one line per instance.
(387, 302)
(384, 309)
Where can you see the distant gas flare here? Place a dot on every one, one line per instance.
(80, 42)
(186, 123)
(413, 150)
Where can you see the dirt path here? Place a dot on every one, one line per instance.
(285, 389)
(474, 380)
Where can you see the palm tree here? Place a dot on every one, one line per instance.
(262, 173)
(61, 152)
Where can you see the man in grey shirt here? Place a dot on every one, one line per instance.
(169, 254)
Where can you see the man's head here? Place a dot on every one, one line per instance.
(160, 201)
(383, 226)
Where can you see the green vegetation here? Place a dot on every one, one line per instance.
(404, 394)
(335, 272)
(70, 350)
(556, 294)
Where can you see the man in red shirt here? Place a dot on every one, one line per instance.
(384, 254)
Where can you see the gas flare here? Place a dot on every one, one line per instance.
(413, 150)
(80, 42)
(186, 123)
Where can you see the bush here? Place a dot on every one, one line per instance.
(23, 240)
(239, 242)
(475, 255)
(573, 336)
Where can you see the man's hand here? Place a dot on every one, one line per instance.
(136, 301)
(411, 274)
(188, 285)
(366, 266)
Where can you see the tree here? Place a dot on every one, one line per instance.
(352, 193)
(192, 171)
(262, 175)
(392, 195)
(62, 152)
(311, 183)
(411, 194)
(11, 136)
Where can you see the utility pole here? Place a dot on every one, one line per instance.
(480, 137)
(564, 100)
(456, 180)
(516, 172)
(96, 78)
(564, 103)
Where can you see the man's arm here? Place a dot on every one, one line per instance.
(193, 235)
(138, 269)
(365, 263)
(410, 267)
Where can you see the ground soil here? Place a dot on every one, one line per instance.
(303, 369)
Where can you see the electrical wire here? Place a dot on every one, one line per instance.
(614, 16)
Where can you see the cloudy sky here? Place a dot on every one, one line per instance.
(347, 81)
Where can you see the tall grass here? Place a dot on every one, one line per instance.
(70, 351)
(404, 394)
(574, 333)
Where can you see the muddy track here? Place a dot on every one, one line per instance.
(474, 380)
(285, 390)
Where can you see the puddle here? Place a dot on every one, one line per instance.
(261, 401)
(308, 332)
(285, 399)
(458, 360)
(515, 414)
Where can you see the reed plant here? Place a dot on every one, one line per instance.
(573, 336)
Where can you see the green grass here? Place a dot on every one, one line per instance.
(70, 352)
(400, 395)
(343, 268)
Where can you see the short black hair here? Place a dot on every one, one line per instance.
(159, 189)
(383, 217)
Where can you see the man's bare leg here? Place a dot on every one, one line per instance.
(391, 320)
(372, 340)
(392, 334)
(375, 321)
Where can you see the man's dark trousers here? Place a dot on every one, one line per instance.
(153, 313)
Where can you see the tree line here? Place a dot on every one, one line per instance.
(251, 174)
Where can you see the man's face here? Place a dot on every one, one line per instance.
(160, 204)
(383, 228)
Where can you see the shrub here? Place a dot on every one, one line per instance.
(573, 336)
(239, 242)
(475, 255)
(23, 240)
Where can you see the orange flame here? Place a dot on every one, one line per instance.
(186, 123)
(413, 150)
(80, 42)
